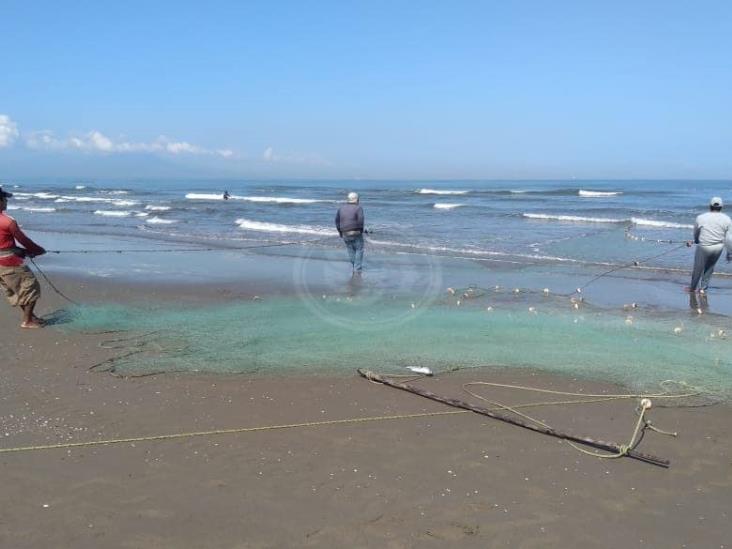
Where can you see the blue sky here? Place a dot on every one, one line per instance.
(417, 90)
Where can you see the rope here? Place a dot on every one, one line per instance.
(633, 264)
(259, 246)
(197, 249)
(225, 431)
(641, 423)
(52, 285)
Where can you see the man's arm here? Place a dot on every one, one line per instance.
(697, 230)
(338, 221)
(31, 247)
(360, 217)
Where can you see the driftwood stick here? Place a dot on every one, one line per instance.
(599, 444)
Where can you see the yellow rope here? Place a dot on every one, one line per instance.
(641, 424)
(225, 431)
(497, 406)
(587, 395)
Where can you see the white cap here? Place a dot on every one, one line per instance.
(716, 202)
(352, 198)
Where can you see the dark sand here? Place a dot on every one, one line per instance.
(458, 480)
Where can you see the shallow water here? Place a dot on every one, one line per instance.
(425, 237)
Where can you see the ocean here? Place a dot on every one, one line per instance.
(583, 278)
(550, 221)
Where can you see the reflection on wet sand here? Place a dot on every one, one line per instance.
(698, 302)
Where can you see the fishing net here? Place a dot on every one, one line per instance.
(468, 327)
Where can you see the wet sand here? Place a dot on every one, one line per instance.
(435, 481)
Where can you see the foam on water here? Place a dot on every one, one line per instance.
(458, 252)
(573, 218)
(31, 209)
(598, 194)
(159, 221)
(661, 224)
(262, 226)
(88, 199)
(112, 213)
(652, 223)
(204, 196)
(42, 195)
(436, 191)
(39, 210)
(446, 206)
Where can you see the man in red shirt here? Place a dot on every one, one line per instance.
(20, 284)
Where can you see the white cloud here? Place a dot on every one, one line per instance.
(8, 131)
(269, 155)
(96, 142)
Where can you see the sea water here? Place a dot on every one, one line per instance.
(425, 237)
(555, 222)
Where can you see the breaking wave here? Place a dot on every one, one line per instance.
(262, 226)
(436, 191)
(113, 213)
(158, 221)
(446, 206)
(598, 194)
(574, 218)
(660, 224)
(634, 220)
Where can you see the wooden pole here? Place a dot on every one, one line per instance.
(599, 444)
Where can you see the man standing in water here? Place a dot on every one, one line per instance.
(16, 279)
(710, 237)
(349, 222)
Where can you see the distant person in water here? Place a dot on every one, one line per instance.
(226, 195)
(16, 279)
(349, 222)
(710, 236)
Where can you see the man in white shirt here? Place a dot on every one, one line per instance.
(710, 237)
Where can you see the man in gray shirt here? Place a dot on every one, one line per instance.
(710, 236)
(349, 222)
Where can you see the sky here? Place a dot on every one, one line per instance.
(366, 90)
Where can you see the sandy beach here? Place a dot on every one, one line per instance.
(359, 275)
(445, 480)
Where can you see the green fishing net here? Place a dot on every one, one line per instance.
(468, 328)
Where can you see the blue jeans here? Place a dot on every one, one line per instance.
(354, 245)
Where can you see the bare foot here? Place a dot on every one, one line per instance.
(689, 290)
(31, 325)
(39, 320)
